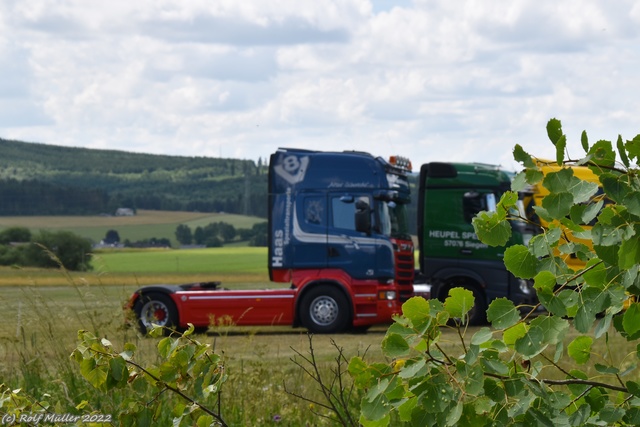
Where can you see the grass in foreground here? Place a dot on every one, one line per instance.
(40, 329)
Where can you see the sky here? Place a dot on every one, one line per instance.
(431, 80)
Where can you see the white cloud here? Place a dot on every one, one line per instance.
(428, 79)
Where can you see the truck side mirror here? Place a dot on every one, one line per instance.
(363, 217)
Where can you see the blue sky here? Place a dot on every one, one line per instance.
(432, 80)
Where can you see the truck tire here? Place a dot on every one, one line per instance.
(156, 308)
(324, 310)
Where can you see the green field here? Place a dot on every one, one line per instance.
(238, 266)
(144, 225)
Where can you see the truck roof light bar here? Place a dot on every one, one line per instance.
(400, 162)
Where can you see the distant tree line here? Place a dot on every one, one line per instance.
(39, 179)
(46, 249)
(216, 234)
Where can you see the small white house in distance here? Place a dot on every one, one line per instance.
(125, 212)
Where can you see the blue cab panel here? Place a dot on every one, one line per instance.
(331, 210)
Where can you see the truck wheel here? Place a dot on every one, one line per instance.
(324, 310)
(155, 308)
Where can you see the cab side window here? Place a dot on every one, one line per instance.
(343, 210)
(472, 203)
(314, 211)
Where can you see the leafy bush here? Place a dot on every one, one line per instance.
(46, 250)
(14, 235)
(187, 368)
(556, 368)
(62, 248)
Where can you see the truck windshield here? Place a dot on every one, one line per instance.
(393, 219)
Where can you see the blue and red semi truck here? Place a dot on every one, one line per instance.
(338, 233)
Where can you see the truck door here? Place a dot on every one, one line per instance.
(348, 248)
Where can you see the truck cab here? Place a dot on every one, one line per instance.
(449, 196)
(338, 223)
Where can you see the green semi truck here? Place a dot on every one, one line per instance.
(449, 196)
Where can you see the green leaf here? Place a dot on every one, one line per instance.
(472, 376)
(532, 343)
(606, 369)
(559, 181)
(517, 331)
(507, 201)
(585, 141)
(494, 366)
(585, 318)
(553, 328)
(118, 374)
(582, 191)
(482, 336)
(552, 302)
(502, 313)
(633, 147)
(536, 417)
(591, 211)
(382, 422)
(603, 154)
(519, 182)
(205, 421)
(603, 326)
(375, 404)
(629, 253)
(94, 373)
(554, 130)
(454, 414)
(492, 228)
(493, 390)
(633, 387)
(416, 309)
(615, 188)
(189, 331)
(521, 262)
(359, 370)
(561, 144)
(533, 176)
(608, 235)
(395, 345)
(632, 202)
(580, 349)
(608, 254)
(519, 155)
(542, 245)
(459, 302)
(544, 281)
(622, 152)
(558, 205)
(596, 275)
(166, 346)
(631, 319)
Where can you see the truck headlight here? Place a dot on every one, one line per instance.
(387, 295)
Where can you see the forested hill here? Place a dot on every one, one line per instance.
(42, 179)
